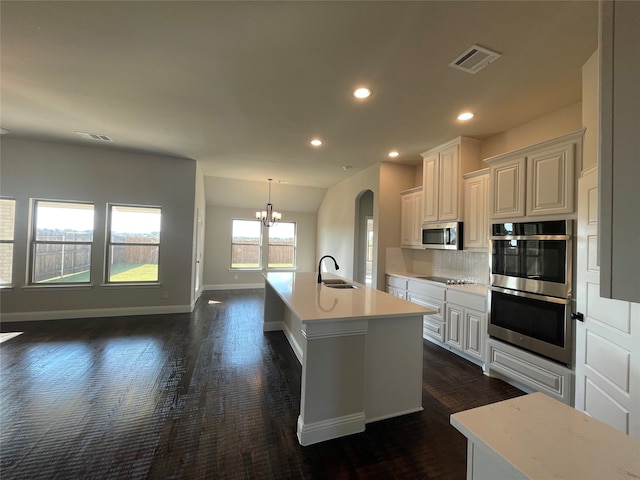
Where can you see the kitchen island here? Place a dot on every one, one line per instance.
(537, 437)
(360, 351)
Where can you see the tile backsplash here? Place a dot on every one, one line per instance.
(454, 264)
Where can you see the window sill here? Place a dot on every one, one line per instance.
(131, 285)
(59, 286)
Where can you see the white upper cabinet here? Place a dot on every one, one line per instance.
(476, 210)
(551, 176)
(442, 171)
(507, 194)
(411, 220)
(537, 180)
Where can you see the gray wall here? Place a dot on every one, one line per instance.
(217, 270)
(55, 171)
(337, 216)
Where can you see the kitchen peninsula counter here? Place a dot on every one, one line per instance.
(360, 351)
(537, 437)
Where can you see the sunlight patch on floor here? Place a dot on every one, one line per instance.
(4, 336)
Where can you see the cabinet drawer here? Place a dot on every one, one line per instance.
(437, 305)
(467, 300)
(398, 282)
(424, 289)
(534, 372)
(433, 328)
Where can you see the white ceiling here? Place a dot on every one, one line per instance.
(241, 87)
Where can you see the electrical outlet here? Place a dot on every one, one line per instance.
(235, 277)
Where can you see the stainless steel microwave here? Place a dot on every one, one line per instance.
(442, 236)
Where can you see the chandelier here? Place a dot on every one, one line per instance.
(269, 216)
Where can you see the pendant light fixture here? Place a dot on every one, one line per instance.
(269, 216)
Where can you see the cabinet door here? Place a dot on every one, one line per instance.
(550, 181)
(430, 174)
(449, 183)
(407, 219)
(476, 228)
(507, 189)
(416, 221)
(454, 326)
(474, 325)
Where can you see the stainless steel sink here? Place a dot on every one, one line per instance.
(337, 283)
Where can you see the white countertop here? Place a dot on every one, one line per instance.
(312, 301)
(546, 439)
(474, 288)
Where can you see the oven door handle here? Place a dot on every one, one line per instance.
(530, 237)
(534, 296)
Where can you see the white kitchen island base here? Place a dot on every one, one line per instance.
(360, 351)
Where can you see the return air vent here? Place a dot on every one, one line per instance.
(95, 136)
(474, 59)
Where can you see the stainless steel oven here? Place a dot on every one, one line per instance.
(538, 323)
(530, 304)
(532, 257)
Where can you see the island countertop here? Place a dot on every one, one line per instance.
(541, 438)
(313, 302)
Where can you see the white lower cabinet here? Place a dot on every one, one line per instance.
(430, 296)
(530, 371)
(466, 323)
(397, 286)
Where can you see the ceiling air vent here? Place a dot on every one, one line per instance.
(95, 136)
(474, 59)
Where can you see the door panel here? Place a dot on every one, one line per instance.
(608, 341)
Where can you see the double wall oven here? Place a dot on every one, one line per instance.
(531, 287)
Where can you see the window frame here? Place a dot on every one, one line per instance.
(109, 244)
(11, 242)
(33, 242)
(260, 247)
(295, 247)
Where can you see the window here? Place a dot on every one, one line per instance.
(282, 245)
(61, 242)
(7, 222)
(246, 243)
(133, 244)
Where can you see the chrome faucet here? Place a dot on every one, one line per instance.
(335, 264)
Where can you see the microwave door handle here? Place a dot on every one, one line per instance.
(447, 236)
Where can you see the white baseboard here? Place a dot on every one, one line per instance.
(327, 429)
(93, 312)
(232, 286)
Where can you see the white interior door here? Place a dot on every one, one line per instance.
(608, 340)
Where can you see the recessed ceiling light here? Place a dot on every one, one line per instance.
(316, 142)
(362, 92)
(3, 131)
(465, 116)
(346, 167)
(393, 154)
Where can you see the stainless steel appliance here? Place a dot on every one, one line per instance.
(530, 304)
(532, 257)
(442, 236)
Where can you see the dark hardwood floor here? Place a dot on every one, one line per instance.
(204, 395)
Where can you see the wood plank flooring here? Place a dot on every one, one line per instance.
(205, 395)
